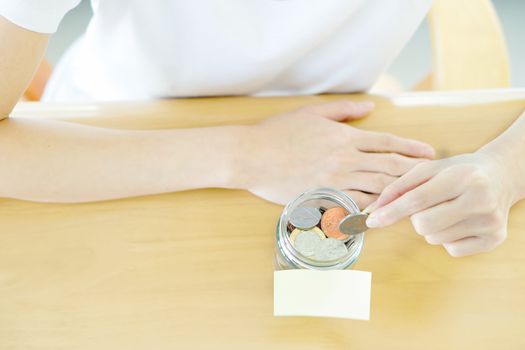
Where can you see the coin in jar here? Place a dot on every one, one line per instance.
(295, 232)
(330, 223)
(305, 217)
(330, 249)
(305, 242)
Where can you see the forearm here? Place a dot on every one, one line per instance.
(55, 161)
(509, 149)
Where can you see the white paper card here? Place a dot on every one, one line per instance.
(330, 293)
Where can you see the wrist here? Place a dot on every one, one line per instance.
(235, 159)
(509, 166)
(199, 158)
(247, 157)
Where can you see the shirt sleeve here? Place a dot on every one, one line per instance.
(41, 16)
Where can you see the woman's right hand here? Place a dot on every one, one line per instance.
(308, 148)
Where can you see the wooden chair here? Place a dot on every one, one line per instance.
(468, 51)
(468, 47)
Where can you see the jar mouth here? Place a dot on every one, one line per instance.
(284, 243)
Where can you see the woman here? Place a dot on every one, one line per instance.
(140, 50)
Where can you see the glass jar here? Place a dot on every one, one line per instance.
(287, 257)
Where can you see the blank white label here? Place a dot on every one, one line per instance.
(330, 293)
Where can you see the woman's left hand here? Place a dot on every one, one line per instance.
(460, 202)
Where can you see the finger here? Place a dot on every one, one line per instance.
(382, 142)
(439, 217)
(361, 199)
(449, 236)
(371, 207)
(389, 163)
(474, 226)
(412, 179)
(433, 192)
(366, 181)
(465, 246)
(341, 110)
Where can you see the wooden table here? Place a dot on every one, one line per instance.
(193, 270)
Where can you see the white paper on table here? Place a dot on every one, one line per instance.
(330, 293)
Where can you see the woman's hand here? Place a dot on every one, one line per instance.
(461, 202)
(310, 148)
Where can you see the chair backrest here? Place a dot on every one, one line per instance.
(468, 46)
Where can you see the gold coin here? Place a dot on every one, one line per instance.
(313, 229)
(318, 231)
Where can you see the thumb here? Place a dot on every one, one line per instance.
(342, 110)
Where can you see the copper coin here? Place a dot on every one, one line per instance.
(330, 223)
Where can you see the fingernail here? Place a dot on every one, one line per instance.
(373, 221)
(430, 151)
(426, 150)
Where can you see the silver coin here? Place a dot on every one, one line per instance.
(330, 249)
(354, 224)
(306, 242)
(305, 217)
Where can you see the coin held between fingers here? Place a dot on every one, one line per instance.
(354, 224)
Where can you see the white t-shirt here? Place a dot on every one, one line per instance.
(136, 49)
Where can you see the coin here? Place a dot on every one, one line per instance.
(316, 230)
(329, 249)
(321, 210)
(330, 223)
(306, 242)
(294, 234)
(353, 224)
(305, 217)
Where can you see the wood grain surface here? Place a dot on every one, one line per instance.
(193, 270)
